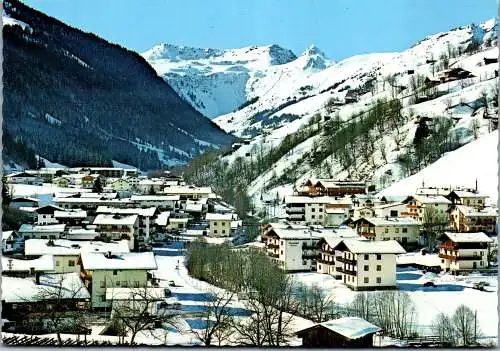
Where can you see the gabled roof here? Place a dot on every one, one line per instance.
(370, 246)
(432, 199)
(63, 247)
(113, 219)
(49, 209)
(24, 290)
(162, 218)
(348, 327)
(43, 263)
(135, 293)
(474, 212)
(466, 194)
(49, 228)
(144, 212)
(478, 237)
(389, 222)
(70, 214)
(20, 174)
(219, 216)
(129, 261)
(138, 198)
(25, 199)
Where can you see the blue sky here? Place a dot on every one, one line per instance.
(341, 28)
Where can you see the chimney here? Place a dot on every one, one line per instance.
(107, 254)
(32, 270)
(37, 278)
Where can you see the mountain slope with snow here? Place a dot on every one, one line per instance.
(217, 82)
(302, 104)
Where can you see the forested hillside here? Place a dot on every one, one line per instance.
(79, 100)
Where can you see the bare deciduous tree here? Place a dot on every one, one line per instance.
(139, 311)
(217, 318)
(443, 327)
(314, 303)
(465, 325)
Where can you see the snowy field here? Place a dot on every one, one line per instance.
(449, 293)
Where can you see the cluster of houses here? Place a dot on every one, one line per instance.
(100, 243)
(339, 228)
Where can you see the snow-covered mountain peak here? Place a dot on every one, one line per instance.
(179, 53)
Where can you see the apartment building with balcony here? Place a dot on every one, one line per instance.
(118, 227)
(467, 198)
(293, 249)
(366, 264)
(472, 219)
(418, 205)
(330, 187)
(102, 271)
(404, 230)
(146, 218)
(326, 262)
(461, 252)
(313, 210)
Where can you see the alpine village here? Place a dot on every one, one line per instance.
(336, 204)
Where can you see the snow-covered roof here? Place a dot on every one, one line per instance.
(26, 290)
(70, 214)
(202, 201)
(178, 219)
(468, 194)
(129, 260)
(138, 198)
(389, 205)
(7, 234)
(293, 199)
(296, 234)
(474, 212)
(63, 247)
(28, 209)
(113, 219)
(194, 207)
(134, 293)
(162, 218)
(81, 234)
(468, 237)
(349, 327)
(391, 221)
(432, 199)
(219, 216)
(49, 228)
(99, 195)
(179, 190)
(370, 246)
(44, 263)
(143, 212)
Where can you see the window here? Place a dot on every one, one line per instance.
(379, 267)
(215, 231)
(103, 284)
(319, 266)
(313, 216)
(136, 284)
(366, 280)
(117, 283)
(367, 257)
(366, 268)
(405, 230)
(396, 230)
(58, 263)
(320, 217)
(124, 283)
(480, 263)
(442, 261)
(386, 230)
(43, 237)
(304, 262)
(103, 298)
(281, 242)
(223, 224)
(71, 263)
(481, 253)
(281, 252)
(379, 280)
(223, 231)
(320, 210)
(313, 210)
(379, 257)
(215, 223)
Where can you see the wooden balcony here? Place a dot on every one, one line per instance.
(273, 255)
(345, 271)
(307, 246)
(461, 258)
(331, 263)
(273, 246)
(345, 260)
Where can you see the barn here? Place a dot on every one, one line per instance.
(342, 332)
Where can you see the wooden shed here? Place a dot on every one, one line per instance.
(342, 332)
